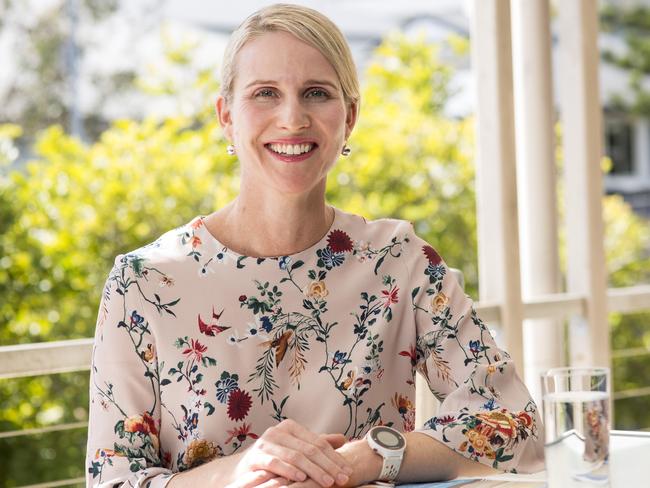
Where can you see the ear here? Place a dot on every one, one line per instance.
(351, 118)
(225, 117)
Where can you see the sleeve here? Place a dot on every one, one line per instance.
(123, 432)
(486, 412)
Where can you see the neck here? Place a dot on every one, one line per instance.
(271, 226)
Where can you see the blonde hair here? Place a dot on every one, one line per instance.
(306, 24)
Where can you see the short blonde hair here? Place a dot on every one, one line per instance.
(306, 24)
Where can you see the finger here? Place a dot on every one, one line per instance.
(335, 440)
(270, 458)
(308, 458)
(309, 437)
(277, 482)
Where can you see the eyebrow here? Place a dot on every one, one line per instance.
(308, 82)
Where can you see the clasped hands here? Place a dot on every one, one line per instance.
(289, 454)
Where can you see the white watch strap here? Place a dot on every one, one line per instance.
(390, 468)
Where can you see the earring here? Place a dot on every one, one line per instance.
(346, 150)
(230, 149)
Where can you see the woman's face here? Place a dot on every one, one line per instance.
(287, 116)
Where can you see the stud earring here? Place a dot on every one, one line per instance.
(346, 150)
(230, 149)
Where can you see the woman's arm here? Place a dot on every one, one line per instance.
(287, 451)
(425, 459)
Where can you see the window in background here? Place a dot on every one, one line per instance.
(619, 144)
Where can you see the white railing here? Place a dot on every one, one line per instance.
(74, 355)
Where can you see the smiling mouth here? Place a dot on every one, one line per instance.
(291, 150)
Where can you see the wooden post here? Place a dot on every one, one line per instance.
(496, 191)
(537, 181)
(582, 141)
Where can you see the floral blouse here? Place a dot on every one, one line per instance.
(198, 350)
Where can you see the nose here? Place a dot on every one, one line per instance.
(293, 115)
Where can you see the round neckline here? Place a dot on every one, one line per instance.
(310, 250)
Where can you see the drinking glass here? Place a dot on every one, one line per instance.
(577, 424)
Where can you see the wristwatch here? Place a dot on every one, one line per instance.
(390, 445)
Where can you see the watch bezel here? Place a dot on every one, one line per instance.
(373, 434)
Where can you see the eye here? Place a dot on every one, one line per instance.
(264, 93)
(317, 93)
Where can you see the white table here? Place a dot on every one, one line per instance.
(629, 468)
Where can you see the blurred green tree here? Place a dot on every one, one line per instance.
(633, 24)
(41, 50)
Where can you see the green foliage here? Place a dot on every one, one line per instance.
(633, 24)
(36, 95)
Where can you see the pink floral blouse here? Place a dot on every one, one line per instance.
(198, 350)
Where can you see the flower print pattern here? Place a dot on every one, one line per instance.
(195, 351)
(239, 403)
(200, 451)
(329, 258)
(406, 410)
(347, 322)
(432, 255)
(240, 434)
(316, 289)
(149, 353)
(439, 303)
(338, 241)
(226, 385)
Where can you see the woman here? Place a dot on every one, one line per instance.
(259, 345)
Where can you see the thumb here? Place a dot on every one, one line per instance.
(335, 440)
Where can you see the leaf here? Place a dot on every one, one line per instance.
(415, 292)
(210, 407)
(165, 382)
(380, 261)
(297, 265)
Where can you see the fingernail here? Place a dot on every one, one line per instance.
(342, 478)
(328, 480)
(301, 476)
(348, 470)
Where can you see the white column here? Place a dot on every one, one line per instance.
(582, 142)
(536, 181)
(496, 192)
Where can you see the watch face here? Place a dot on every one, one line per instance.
(388, 438)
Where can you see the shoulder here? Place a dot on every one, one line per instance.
(375, 231)
(387, 231)
(172, 248)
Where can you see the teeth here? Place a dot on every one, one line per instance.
(291, 149)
